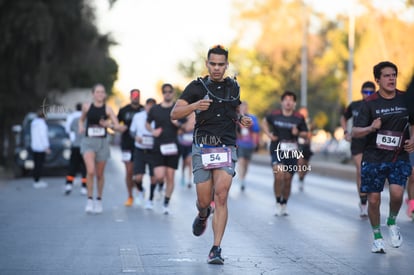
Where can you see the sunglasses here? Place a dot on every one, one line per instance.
(368, 92)
(218, 46)
(167, 92)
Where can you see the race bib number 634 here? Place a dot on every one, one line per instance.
(388, 140)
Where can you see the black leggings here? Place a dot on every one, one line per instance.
(39, 159)
(76, 163)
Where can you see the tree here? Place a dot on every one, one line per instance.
(273, 65)
(48, 45)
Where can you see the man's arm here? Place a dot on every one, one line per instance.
(359, 132)
(182, 108)
(266, 130)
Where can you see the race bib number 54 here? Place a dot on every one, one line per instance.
(388, 140)
(215, 157)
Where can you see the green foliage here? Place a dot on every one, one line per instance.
(49, 45)
(45, 46)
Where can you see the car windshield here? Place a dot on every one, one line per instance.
(56, 131)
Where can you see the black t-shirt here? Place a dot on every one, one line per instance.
(217, 125)
(352, 111)
(281, 126)
(161, 117)
(125, 116)
(394, 119)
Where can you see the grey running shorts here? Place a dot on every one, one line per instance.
(98, 145)
(202, 175)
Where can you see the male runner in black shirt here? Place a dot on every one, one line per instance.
(215, 99)
(165, 155)
(284, 127)
(357, 144)
(383, 119)
(125, 116)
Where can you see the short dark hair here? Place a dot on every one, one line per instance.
(135, 90)
(368, 84)
(150, 100)
(165, 85)
(288, 93)
(378, 68)
(218, 49)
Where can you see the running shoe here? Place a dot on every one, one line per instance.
(200, 223)
(410, 208)
(166, 210)
(39, 184)
(84, 190)
(214, 257)
(363, 210)
(301, 185)
(129, 202)
(89, 206)
(378, 246)
(68, 188)
(149, 205)
(283, 210)
(395, 235)
(98, 207)
(140, 198)
(278, 211)
(159, 194)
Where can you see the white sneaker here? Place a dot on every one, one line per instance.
(166, 210)
(378, 246)
(149, 205)
(278, 211)
(395, 235)
(68, 188)
(363, 213)
(39, 184)
(84, 191)
(97, 207)
(89, 206)
(301, 185)
(159, 194)
(139, 200)
(283, 210)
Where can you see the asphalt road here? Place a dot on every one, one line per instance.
(44, 232)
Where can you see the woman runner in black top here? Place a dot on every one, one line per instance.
(96, 117)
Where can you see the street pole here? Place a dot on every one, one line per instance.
(304, 59)
(351, 44)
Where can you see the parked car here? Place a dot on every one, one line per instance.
(59, 144)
